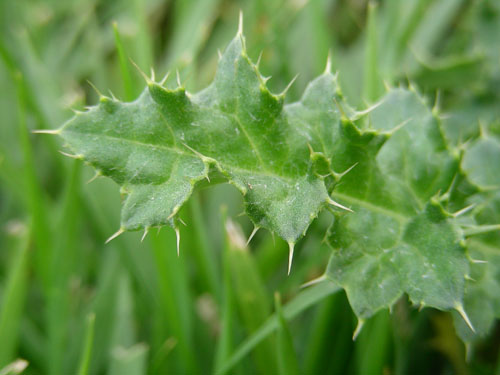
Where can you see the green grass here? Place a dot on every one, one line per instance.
(69, 304)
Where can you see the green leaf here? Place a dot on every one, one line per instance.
(159, 147)
(290, 162)
(480, 164)
(400, 239)
(287, 359)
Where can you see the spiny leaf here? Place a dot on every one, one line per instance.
(287, 161)
(400, 240)
(162, 145)
(480, 163)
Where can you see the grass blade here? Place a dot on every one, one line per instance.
(87, 346)
(13, 299)
(287, 359)
(300, 303)
(373, 87)
(128, 84)
(250, 295)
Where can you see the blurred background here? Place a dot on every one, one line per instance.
(69, 304)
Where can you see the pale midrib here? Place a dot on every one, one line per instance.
(228, 168)
(250, 140)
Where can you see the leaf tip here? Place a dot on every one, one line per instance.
(146, 231)
(148, 80)
(460, 309)
(342, 174)
(114, 235)
(178, 239)
(240, 24)
(95, 89)
(336, 204)
(291, 247)
(312, 282)
(47, 131)
(164, 79)
(283, 93)
(98, 173)
(328, 66)
(359, 327)
(174, 211)
(178, 77)
(77, 157)
(255, 229)
(257, 64)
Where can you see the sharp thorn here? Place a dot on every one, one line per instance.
(114, 235)
(178, 240)
(328, 67)
(463, 314)
(46, 131)
(359, 327)
(478, 261)
(366, 111)
(313, 281)
(259, 59)
(255, 229)
(95, 89)
(400, 125)
(240, 24)
(219, 53)
(291, 247)
(463, 210)
(77, 157)
(480, 229)
(182, 221)
(112, 95)
(174, 211)
(164, 79)
(336, 204)
(144, 75)
(283, 93)
(146, 230)
(340, 175)
(96, 175)
(178, 77)
(152, 74)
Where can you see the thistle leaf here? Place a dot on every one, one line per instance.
(401, 240)
(385, 173)
(162, 145)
